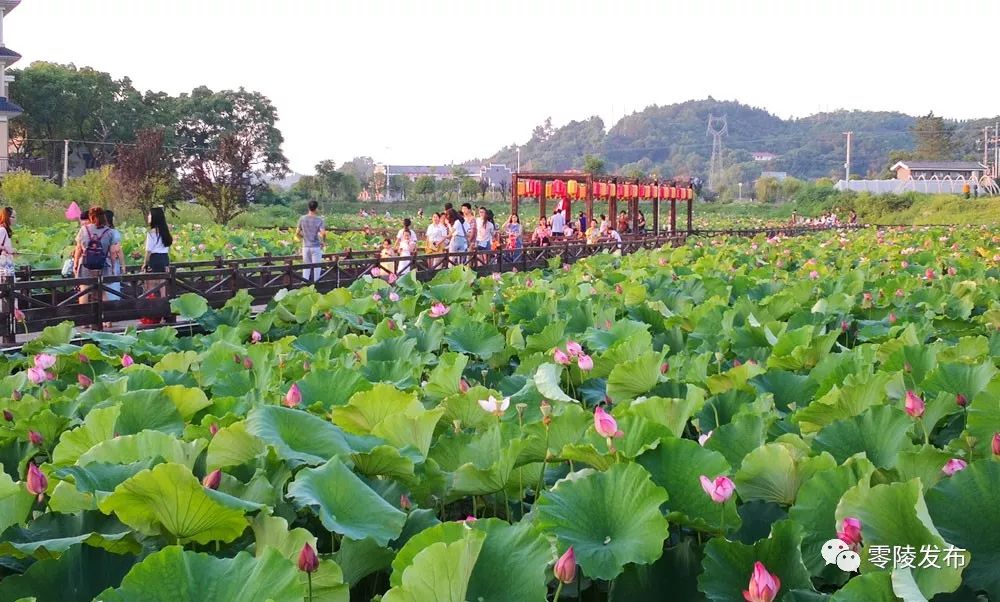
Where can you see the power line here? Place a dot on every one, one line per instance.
(106, 143)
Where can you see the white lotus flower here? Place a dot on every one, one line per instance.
(495, 406)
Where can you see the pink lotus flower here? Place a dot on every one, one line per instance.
(560, 357)
(954, 465)
(850, 531)
(308, 561)
(19, 316)
(463, 386)
(961, 400)
(256, 337)
(212, 479)
(720, 490)
(952, 271)
(704, 437)
(664, 368)
(127, 361)
(763, 585)
(995, 443)
(573, 348)
(529, 283)
(35, 438)
(73, 212)
(914, 405)
(866, 297)
(202, 247)
(565, 568)
(214, 428)
(495, 406)
(496, 277)
(377, 272)
(904, 264)
(892, 318)
(37, 482)
(391, 278)
(83, 380)
(376, 297)
(37, 375)
(929, 274)
(813, 275)
(404, 502)
(439, 309)
(44, 361)
(662, 262)
(605, 425)
(294, 396)
(585, 362)
(393, 297)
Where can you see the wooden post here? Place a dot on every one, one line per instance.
(589, 200)
(690, 213)
(613, 212)
(541, 202)
(514, 198)
(673, 216)
(634, 210)
(8, 325)
(656, 215)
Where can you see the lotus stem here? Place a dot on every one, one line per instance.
(558, 591)
(309, 579)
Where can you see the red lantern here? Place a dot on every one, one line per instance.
(548, 190)
(596, 189)
(644, 191)
(522, 188)
(633, 191)
(571, 188)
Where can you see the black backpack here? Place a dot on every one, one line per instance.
(95, 257)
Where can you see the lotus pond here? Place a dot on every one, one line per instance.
(692, 423)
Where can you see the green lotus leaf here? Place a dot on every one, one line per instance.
(675, 572)
(881, 432)
(169, 499)
(345, 504)
(297, 436)
(52, 534)
(633, 378)
(78, 575)
(983, 419)
(439, 572)
(965, 511)
(367, 409)
(445, 378)
(547, 381)
(141, 446)
(102, 476)
(475, 338)
(273, 532)
(569, 422)
(738, 438)
(176, 575)
(465, 408)
(673, 413)
(189, 306)
(148, 410)
(331, 387)
(383, 460)
(788, 388)
(895, 515)
(413, 428)
(728, 565)
(924, 463)
(618, 528)
(15, 502)
(775, 472)
(816, 505)
(855, 394)
(178, 361)
(232, 446)
(801, 349)
(360, 558)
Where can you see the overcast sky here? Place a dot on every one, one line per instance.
(424, 82)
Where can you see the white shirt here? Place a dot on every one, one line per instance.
(437, 233)
(615, 235)
(484, 230)
(558, 222)
(154, 244)
(399, 235)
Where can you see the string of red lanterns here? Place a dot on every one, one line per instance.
(572, 189)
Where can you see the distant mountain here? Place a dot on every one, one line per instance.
(673, 140)
(288, 181)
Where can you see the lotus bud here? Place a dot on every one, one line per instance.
(565, 568)
(390, 324)
(37, 482)
(892, 318)
(463, 386)
(664, 367)
(214, 428)
(256, 337)
(15, 395)
(961, 400)
(237, 359)
(560, 357)
(850, 531)
(83, 380)
(294, 396)
(248, 363)
(83, 358)
(913, 405)
(8, 416)
(618, 289)
(763, 586)
(405, 503)
(720, 489)
(995, 443)
(457, 426)
(35, 438)
(704, 437)
(605, 425)
(954, 465)
(573, 348)
(393, 296)
(19, 316)
(308, 561)
(212, 479)
(127, 361)
(907, 367)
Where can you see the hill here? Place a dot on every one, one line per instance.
(673, 140)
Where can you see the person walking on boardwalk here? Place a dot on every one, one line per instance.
(91, 257)
(311, 230)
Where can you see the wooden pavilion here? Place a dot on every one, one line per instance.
(565, 188)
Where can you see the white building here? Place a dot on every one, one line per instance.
(7, 109)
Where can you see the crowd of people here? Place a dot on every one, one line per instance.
(829, 219)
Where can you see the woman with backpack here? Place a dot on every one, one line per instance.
(158, 241)
(93, 249)
(7, 219)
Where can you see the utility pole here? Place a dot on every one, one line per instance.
(986, 148)
(996, 150)
(65, 162)
(717, 128)
(519, 159)
(847, 163)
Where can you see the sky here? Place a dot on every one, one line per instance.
(440, 81)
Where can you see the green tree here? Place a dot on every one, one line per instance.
(934, 138)
(593, 165)
(424, 186)
(767, 189)
(145, 174)
(470, 188)
(226, 181)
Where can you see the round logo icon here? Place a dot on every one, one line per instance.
(832, 549)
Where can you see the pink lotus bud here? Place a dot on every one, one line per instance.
(377, 272)
(213, 428)
(404, 502)
(83, 358)
(19, 316)
(704, 437)
(560, 357)
(497, 277)
(44, 361)
(720, 490)
(529, 283)
(8, 416)
(892, 318)
(952, 271)
(850, 531)
(237, 359)
(954, 465)
(463, 386)
(907, 367)
(15, 395)
(565, 568)
(618, 289)
(763, 585)
(439, 309)
(127, 361)
(813, 275)
(904, 264)
(376, 297)
(662, 262)
(37, 482)
(664, 368)
(469, 519)
(585, 362)
(995, 443)
(605, 425)
(256, 337)
(929, 274)
(83, 380)
(390, 324)
(308, 561)
(37, 375)
(565, 267)
(573, 348)
(845, 325)
(961, 400)
(867, 297)
(212, 479)
(35, 438)
(737, 363)
(306, 366)
(607, 324)
(393, 296)
(914, 405)
(391, 278)
(248, 363)
(294, 397)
